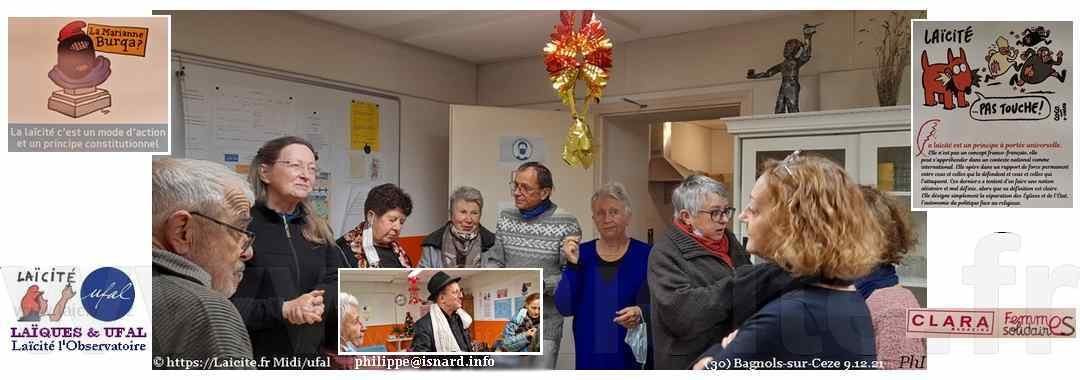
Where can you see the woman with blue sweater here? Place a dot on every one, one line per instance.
(601, 283)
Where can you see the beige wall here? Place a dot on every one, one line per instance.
(691, 147)
(840, 74)
(426, 82)
(624, 141)
(723, 151)
(474, 159)
(292, 42)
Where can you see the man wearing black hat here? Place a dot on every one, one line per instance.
(445, 327)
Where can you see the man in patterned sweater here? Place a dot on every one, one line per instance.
(532, 237)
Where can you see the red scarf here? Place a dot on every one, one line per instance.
(716, 247)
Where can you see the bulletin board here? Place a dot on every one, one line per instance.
(223, 111)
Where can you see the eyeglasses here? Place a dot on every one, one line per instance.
(790, 159)
(720, 213)
(299, 167)
(249, 237)
(514, 187)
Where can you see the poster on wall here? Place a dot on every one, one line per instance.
(503, 309)
(991, 123)
(517, 150)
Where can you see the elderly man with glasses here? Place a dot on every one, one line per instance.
(701, 282)
(200, 243)
(533, 235)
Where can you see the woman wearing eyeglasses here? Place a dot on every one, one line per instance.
(281, 297)
(810, 218)
(700, 278)
(601, 283)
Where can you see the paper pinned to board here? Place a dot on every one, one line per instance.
(363, 126)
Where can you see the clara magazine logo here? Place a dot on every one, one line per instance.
(69, 308)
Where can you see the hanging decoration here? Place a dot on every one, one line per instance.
(414, 290)
(591, 44)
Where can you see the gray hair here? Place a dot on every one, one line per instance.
(613, 190)
(468, 194)
(193, 185)
(346, 301)
(690, 195)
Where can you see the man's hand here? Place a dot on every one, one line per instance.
(305, 309)
(570, 248)
(628, 317)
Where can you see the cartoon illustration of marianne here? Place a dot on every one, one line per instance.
(78, 71)
(34, 305)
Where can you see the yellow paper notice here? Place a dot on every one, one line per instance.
(364, 126)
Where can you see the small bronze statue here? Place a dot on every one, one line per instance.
(796, 54)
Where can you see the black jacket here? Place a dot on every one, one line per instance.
(284, 266)
(697, 299)
(424, 335)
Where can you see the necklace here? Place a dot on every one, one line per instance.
(605, 254)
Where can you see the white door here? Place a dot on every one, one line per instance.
(479, 141)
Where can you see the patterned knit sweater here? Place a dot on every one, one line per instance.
(888, 309)
(534, 243)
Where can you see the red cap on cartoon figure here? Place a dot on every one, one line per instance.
(71, 29)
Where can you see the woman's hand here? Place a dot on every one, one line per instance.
(531, 333)
(727, 339)
(701, 363)
(628, 317)
(570, 248)
(305, 309)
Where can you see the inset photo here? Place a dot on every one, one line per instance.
(457, 311)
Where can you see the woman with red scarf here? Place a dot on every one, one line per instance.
(701, 282)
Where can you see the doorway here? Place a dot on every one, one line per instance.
(651, 152)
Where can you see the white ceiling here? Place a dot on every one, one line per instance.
(491, 36)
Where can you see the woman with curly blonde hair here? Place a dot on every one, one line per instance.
(807, 216)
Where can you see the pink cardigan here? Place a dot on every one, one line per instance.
(888, 310)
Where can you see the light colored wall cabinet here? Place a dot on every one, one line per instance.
(873, 145)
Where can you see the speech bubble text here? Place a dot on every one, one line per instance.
(1010, 108)
(126, 40)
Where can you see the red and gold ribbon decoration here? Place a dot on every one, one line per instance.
(561, 58)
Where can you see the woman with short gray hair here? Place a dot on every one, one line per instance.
(460, 242)
(601, 284)
(693, 284)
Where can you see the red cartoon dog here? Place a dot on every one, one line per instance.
(951, 79)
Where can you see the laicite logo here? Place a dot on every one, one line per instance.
(107, 294)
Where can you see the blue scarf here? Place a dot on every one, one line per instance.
(882, 277)
(535, 212)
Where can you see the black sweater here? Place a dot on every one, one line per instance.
(285, 266)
